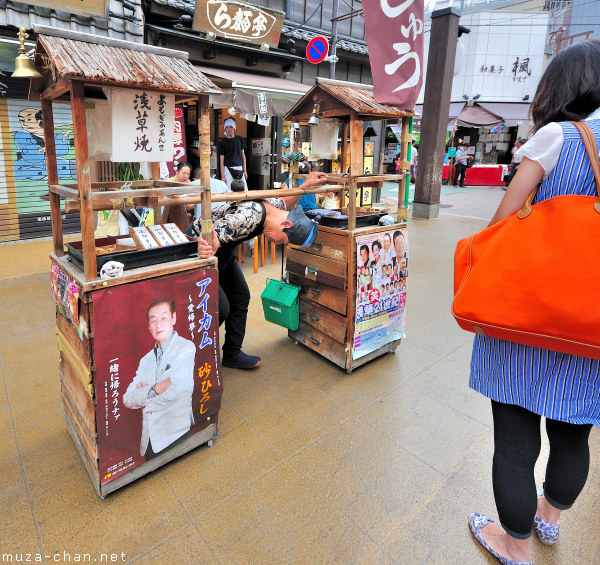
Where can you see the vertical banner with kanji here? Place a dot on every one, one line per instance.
(179, 144)
(156, 355)
(397, 57)
(381, 273)
(142, 126)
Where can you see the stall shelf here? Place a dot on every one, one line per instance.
(102, 324)
(328, 271)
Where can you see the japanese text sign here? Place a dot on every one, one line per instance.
(237, 20)
(142, 126)
(396, 58)
(156, 358)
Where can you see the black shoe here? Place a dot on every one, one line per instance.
(241, 361)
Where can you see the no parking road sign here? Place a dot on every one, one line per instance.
(317, 49)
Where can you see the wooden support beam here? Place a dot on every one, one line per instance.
(60, 87)
(55, 212)
(86, 214)
(204, 150)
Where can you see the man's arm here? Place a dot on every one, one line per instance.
(179, 378)
(136, 395)
(314, 179)
(244, 163)
(222, 166)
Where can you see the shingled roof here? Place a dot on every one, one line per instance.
(335, 96)
(107, 62)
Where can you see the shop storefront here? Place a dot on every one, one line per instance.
(489, 130)
(24, 205)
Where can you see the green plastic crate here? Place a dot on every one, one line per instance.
(281, 304)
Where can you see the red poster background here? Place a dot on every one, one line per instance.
(121, 332)
(394, 32)
(179, 146)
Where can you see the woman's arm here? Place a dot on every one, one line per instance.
(528, 176)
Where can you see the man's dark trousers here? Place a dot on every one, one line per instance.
(459, 174)
(234, 298)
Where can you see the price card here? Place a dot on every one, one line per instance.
(142, 238)
(175, 233)
(160, 235)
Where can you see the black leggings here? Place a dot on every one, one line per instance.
(517, 444)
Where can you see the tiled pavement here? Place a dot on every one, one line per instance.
(310, 465)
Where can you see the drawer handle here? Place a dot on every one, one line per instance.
(316, 291)
(311, 270)
(314, 317)
(315, 340)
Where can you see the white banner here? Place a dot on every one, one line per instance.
(142, 126)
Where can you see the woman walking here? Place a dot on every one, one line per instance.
(526, 383)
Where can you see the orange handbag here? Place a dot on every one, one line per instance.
(534, 277)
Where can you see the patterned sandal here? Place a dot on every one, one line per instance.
(547, 532)
(477, 522)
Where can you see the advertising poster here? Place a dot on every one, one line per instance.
(157, 373)
(382, 270)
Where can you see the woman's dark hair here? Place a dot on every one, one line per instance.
(183, 164)
(569, 89)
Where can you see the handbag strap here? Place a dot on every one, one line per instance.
(592, 151)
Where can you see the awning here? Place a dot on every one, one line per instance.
(281, 94)
(513, 114)
(453, 111)
(476, 116)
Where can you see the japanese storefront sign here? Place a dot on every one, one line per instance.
(382, 270)
(396, 58)
(142, 126)
(239, 21)
(157, 374)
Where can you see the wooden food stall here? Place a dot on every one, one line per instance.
(349, 314)
(130, 406)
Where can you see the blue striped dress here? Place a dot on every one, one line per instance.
(554, 385)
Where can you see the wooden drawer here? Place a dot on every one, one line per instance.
(334, 298)
(317, 268)
(323, 319)
(327, 244)
(321, 343)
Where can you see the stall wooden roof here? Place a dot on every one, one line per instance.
(337, 99)
(101, 61)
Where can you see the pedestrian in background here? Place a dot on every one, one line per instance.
(515, 160)
(461, 165)
(526, 383)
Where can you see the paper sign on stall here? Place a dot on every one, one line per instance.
(142, 126)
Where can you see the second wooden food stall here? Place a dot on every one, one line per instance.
(348, 313)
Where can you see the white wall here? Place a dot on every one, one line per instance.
(497, 40)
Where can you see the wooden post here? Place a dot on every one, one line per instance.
(55, 212)
(255, 254)
(405, 152)
(440, 69)
(356, 166)
(155, 174)
(344, 148)
(86, 213)
(204, 150)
